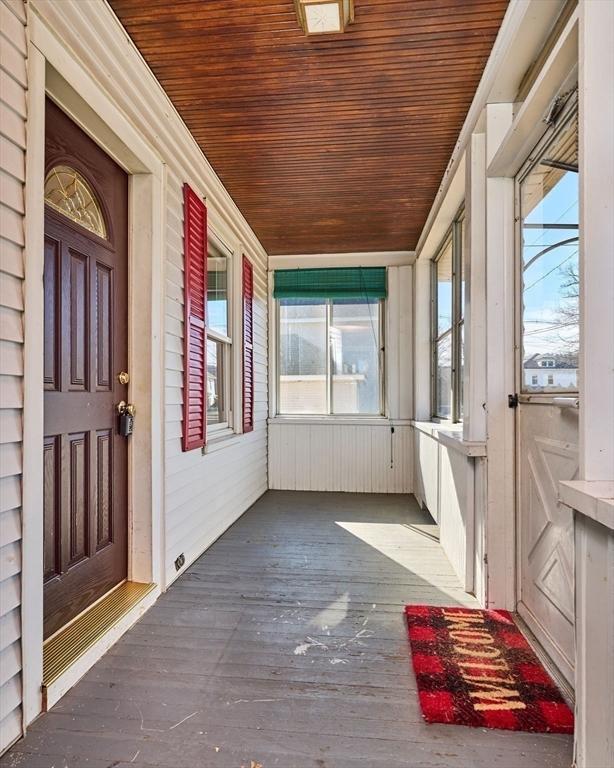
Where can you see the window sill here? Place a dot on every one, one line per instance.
(433, 428)
(454, 440)
(223, 439)
(451, 435)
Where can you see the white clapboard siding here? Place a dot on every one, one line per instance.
(12, 176)
(204, 494)
(340, 457)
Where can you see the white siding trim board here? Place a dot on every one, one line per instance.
(13, 56)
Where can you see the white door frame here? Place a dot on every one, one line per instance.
(54, 71)
(510, 135)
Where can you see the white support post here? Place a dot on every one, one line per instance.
(398, 343)
(474, 248)
(392, 344)
(594, 672)
(272, 342)
(406, 350)
(499, 524)
(596, 150)
(474, 385)
(594, 555)
(32, 482)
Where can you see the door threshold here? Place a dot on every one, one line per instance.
(74, 649)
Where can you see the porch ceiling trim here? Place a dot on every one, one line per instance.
(374, 259)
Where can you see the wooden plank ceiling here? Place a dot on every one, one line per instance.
(327, 144)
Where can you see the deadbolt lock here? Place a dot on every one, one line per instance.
(124, 407)
(123, 377)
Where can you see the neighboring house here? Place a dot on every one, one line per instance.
(555, 371)
(303, 361)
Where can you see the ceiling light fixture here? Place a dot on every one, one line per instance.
(319, 17)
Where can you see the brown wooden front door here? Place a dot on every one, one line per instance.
(85, 348)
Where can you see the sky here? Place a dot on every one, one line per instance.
(217, 319)
(544, 291)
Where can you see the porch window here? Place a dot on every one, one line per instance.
(448, 300)
(219, 343)
(330, 356)
(330, 347)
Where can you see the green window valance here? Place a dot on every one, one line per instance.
(333, 283)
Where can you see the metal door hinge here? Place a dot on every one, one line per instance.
(512, 401)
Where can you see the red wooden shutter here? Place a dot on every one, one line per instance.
(194, 331)
(248, 345)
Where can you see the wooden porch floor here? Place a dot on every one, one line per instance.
(284, 645)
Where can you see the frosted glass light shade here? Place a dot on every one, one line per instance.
(319, 17)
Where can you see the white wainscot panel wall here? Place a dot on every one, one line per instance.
(361, 458)
(445, 483)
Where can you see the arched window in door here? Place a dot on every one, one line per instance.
(69, 193)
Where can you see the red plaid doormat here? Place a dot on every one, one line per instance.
(475, 668)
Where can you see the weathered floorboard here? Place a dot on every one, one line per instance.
(285, 645)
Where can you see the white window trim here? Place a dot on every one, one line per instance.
(329, 417)
(454, 237)
(228, 427)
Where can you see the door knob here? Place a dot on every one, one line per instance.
(123, 377)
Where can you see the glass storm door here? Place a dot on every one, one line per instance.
(547, 380)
